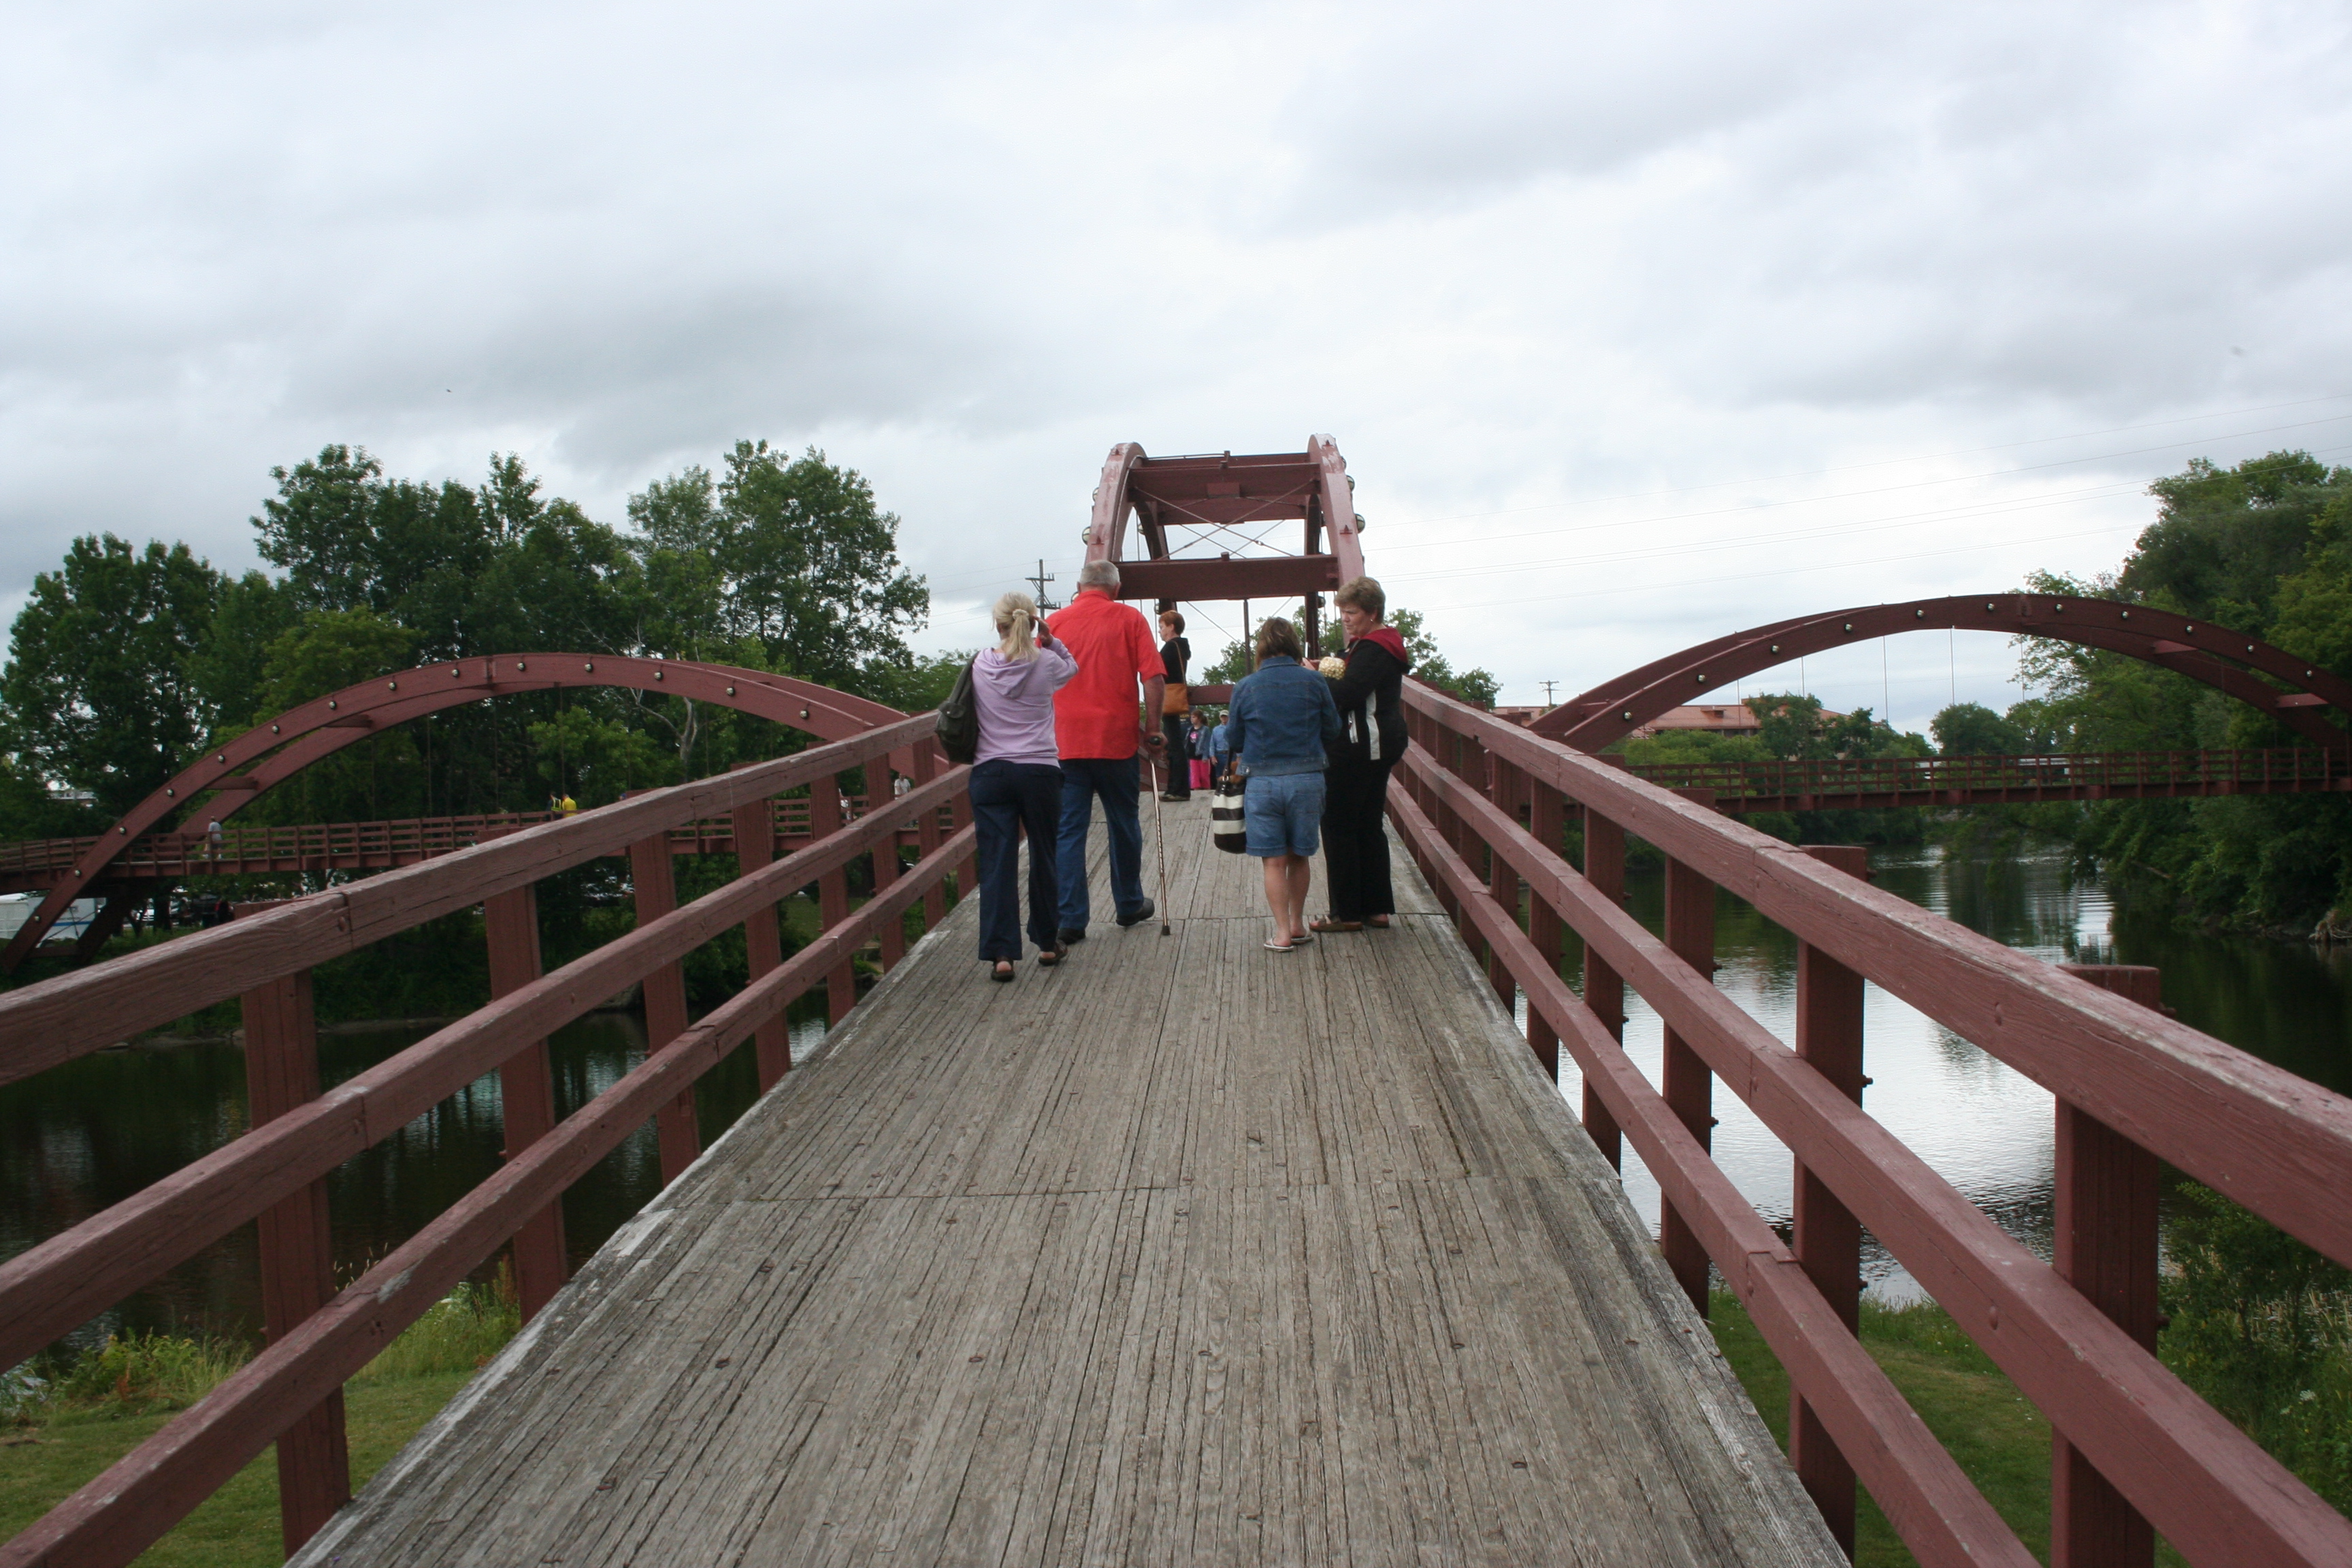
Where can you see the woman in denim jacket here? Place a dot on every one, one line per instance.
(1280, 722)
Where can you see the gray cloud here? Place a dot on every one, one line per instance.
(1512, 256)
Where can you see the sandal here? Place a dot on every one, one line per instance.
(1052, 956)
(1301, 940)
(1003, 971)
(1378, 922)
(1333, 922)
(1278, 947)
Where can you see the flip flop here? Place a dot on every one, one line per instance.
(1278, 947)
(1328, 924)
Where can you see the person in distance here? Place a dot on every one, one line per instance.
(1016, 782)
(1369, 691)
(1281, 720)
(1175, 653)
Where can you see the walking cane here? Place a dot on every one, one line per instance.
(1160, 831)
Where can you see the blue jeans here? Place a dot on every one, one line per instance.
(1116, 780)
(1004, 796)
(1281, 812)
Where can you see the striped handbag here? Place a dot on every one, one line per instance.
(1226, 824)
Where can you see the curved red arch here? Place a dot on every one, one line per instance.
(2224, 659)
(241, 770)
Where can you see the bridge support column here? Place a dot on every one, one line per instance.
(2105, 1246)
(1604, 988)
(1547, 821)
(1828, 1239)
(298, 1263)
(764, 942)
(526, 1094)
(655, 881)
(1688, 1087)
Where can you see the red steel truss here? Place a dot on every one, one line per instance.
(1208, 524)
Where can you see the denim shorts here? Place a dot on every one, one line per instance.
(1282, 812)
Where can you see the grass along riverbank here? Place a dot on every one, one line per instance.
(58, 1434)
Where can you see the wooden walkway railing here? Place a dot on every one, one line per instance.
(319, 1337)
(1483, 805)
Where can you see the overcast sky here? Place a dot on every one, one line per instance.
(1636, 324)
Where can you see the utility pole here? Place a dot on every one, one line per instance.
(1041, 579)
(1548, 686)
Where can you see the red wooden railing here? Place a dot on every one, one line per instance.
(1481, 805)
(319, 1337)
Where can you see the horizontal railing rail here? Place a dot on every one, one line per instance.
(2275, 1142)
(318, 1337)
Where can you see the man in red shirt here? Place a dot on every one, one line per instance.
(1098, 728)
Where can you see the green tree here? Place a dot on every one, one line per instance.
(1476, 687)
(376, 778)
(98, 687)
(1972, 730)
(806, 564)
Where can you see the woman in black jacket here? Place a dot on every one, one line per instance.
(1175, 653)
(1369, 692)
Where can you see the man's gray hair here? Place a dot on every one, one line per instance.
(1098, 574)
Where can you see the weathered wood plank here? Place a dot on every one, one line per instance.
(1182, 1252)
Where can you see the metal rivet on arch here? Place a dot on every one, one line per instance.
(1849, 626)
(1628, 715)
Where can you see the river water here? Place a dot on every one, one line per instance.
(91, 1133)
(1979, 1123)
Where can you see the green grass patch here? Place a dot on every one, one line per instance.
(58, 1434)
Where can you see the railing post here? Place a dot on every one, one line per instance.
(1828, 1239)
(1547, 822)
(1503, 785)
(526, 1094)
(664, 993)
(298, 1263)
(825, 819)
(763, 945)
(2105, 1246)
(1687, 1086)
(1604, 988)
(926, 834)
(893, 934)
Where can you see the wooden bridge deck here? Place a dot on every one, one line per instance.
(1186, 1252)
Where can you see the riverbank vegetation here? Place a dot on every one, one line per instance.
(2258, 1324)
(60, 1426)
(2265, 548)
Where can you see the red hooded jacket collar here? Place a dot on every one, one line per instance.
(1387, 637)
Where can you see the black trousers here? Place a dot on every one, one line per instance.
(1356, 840)
(1006, 797)
(1176, 727)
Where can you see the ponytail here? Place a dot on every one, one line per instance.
(1016, 626)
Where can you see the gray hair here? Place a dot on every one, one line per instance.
(1098, 574)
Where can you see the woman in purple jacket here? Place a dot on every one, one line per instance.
(1017, 779)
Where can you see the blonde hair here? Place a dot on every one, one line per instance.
(1016, 624)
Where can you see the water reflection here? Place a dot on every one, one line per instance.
(1981, 1125)
(93, 1132)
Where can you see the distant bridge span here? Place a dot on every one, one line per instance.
(2226, 660)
